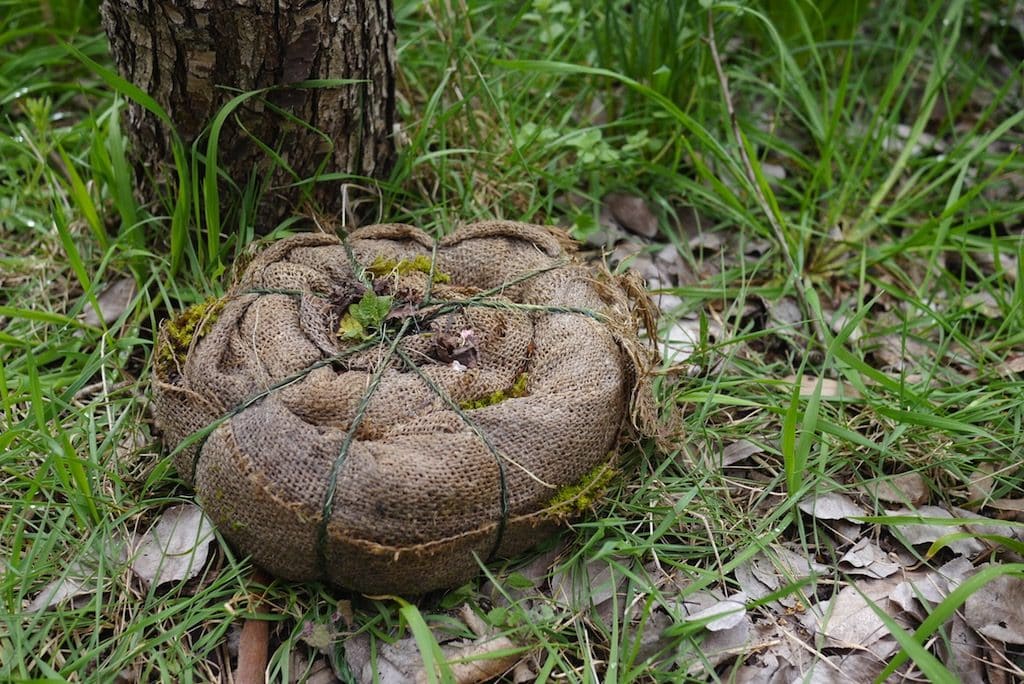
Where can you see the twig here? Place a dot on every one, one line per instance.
(762, 201)
(253, 645)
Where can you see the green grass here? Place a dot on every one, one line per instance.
(903, 259)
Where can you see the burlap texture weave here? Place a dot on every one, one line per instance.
(504, 375)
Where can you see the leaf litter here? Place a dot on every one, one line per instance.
(175, 548)
(816, 609)
(472, 660)
(113, 301)
(810, 614)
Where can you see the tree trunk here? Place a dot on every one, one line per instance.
(193, 56)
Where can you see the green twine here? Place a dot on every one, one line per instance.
(339, 461)
(498, 457)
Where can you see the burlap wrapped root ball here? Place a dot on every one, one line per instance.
(382, 413)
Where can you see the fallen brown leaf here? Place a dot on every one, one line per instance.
(113, 301)
(867, 558)
(831, 390)
(738, 451)
(175, 548)
(632, 213)
(927, 533)
(996, 610)
(902, 488)
(831, 506)
(1011, 366)
(848, 621)
(79, 577)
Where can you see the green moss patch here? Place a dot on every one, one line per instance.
(578, 498)
(183, 329)
(383, 267)
(517, 390)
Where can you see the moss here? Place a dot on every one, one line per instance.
(186, 327)
(383, 267)
(577, 498)
(517, 390)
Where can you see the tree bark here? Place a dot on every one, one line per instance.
(193, 56)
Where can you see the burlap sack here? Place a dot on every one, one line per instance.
(485, 408)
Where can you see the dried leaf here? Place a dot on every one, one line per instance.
(898, 352)
(75, 582)
(981, 482)
(113, 301)
(925, 533)
(782, 650)
(632, 213)
(906, 597)
(524, 583)
(652, 638)
(733, 611)
(738, 451)
(785, 313)
(722, 637)
(589, 588)
(458, 349)
(844, 531)
(659, 272)
(523, 672)
(766, 572)
(922, 589)
(680, 341)
(831, 390)
(786, 565)
(706, 243)
(760, 674)
(1015, 506)
(831, 506)
(316, 673)
(752, 585)
(479, 660)
(80, 577)
(670, 263)
(985, 302)
(935, 586)
(904, 488)
(400, 662)
(848, 621)
(866, 558)
(925, 141)
(358, 656)
(858, 666)
(175, 548)
(963, 651)
(1013, 365)
(396, 663)
(996, 610)
(773, 171)
(979, 524)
